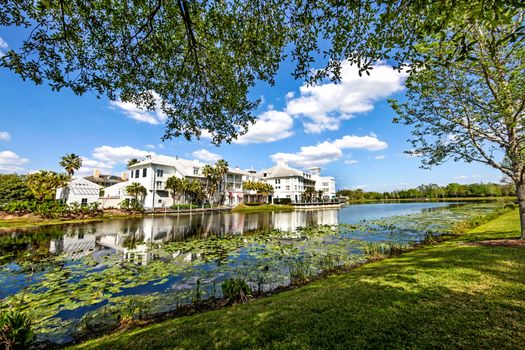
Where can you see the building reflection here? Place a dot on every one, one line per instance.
(130, 238)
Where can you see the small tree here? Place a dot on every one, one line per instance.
(472, 110)
(43, 184)
(70, 163)
(137, 191)
(175, 185)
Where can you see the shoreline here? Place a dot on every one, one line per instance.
(33, 221)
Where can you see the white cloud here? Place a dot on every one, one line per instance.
(206, 156)
(150, 146)
(270, 126)
(113, 155)
(89, 165)
(3, 46)
(329, 151)
(10, 162)
(4, 136)
(351, 161)
(142, 115)
(324, 106)
(379, 157)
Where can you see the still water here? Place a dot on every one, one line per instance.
(74, 278)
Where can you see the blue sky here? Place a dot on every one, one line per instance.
(346, 129)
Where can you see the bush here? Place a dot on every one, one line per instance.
(15, 330)
(285, 201)
(252, 204)
(131, 205)
(235, 290)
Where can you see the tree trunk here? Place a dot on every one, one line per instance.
(520, 193)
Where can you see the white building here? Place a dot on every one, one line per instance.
(287, 182)
(79, 190)
(153, 172)
(326, 184)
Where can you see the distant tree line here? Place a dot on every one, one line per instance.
(452, 190)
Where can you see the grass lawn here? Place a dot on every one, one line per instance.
(263, 207)
(453, 294)
(6, 225)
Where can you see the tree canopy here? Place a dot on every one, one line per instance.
(471, 110)
(196, 61)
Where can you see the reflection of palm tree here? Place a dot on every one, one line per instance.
(70, 163)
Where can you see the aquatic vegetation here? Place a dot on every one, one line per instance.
(236, 290)
(15, 329)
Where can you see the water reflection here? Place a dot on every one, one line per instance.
(129, 238)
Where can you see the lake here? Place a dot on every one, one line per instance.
(72, 279)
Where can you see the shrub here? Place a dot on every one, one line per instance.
(15, 329)
(131, 205)
(235, 290)
(252, 204)
(285, 201)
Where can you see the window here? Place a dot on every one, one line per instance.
(277, 181)
(296, 187)
(137, 173)
(288, 188)
(264, 175)
(144, 172)
(160, 172)
(159, 184)
(84, 201)
(131, 174)
(195, 171)
(325, 183)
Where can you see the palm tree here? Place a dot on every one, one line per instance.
(210, 175)
(133, 161)
(309, 194)
(221, 168)
(43, 184)
(70, 163)
(137, 190)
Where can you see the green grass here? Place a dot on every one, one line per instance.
(452, 294)
(6, 225)
(263, 207)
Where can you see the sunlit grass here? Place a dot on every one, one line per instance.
(447, 295)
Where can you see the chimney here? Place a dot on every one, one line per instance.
(96, 173)
(125, 176)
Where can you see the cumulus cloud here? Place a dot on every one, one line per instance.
(351, 161)
(3, 46)
(325, 106)
(11, 162)
(133, 111)
(90, 165)
(4, 136)
(113, 155)
(380, 157)
(270, 126)
(329, 151)
(206, 156)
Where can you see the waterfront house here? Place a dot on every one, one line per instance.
(325, 184)
(287, 182)
(79, 190)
